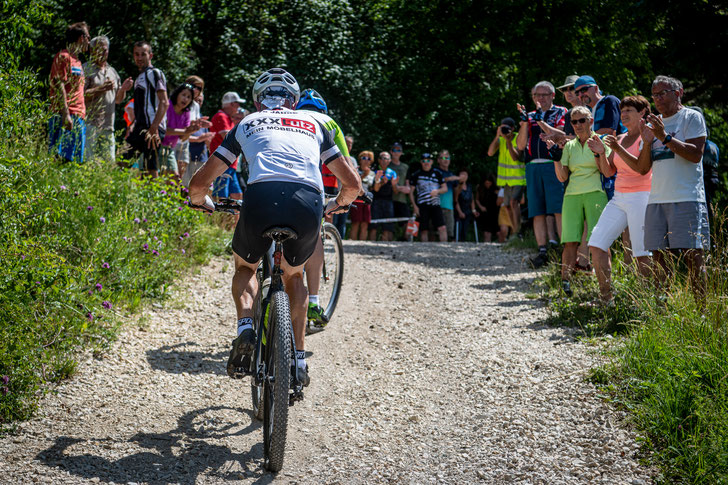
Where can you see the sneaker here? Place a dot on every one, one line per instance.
(243, 346)
(539, 260)
(586, 268)
(566, 286)
(317, 316)
(302, 375)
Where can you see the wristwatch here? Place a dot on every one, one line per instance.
(667, 139)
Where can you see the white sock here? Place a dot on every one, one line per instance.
(313, 299)
(301, 357)
(244, 323)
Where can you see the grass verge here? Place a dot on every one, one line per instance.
(670, 369)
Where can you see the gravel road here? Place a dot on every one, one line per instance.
(435, 369)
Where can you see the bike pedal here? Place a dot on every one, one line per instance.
(294, 397)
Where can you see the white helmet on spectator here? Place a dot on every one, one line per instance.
(274, 88)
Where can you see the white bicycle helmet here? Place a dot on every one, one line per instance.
(276, 83)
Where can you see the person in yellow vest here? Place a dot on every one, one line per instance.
(511, 171)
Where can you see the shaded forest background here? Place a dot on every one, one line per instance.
(431, 74)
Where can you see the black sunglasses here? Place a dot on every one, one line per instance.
(567, 89)
(365, 158)
(580, 120)
(582, 89)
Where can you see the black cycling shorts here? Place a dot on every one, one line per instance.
(279, 204)
(430, 215)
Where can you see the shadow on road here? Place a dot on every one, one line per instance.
(176, 359)
(200, 445)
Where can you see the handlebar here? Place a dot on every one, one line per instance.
(231, 206)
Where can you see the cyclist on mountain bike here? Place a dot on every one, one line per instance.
(284, 149)
(313, 102)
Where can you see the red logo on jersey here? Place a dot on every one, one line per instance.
(304, 125)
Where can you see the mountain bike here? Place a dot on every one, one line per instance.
(275, 384)
(332, 276)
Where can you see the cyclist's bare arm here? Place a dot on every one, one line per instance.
(200, 183)
(350, 181)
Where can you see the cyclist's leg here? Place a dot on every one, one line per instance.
(244, 287)
(314, 268)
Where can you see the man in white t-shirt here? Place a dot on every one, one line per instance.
(676, 218)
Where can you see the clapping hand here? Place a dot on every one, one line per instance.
(648, 136)
(658, 127)
(612, 142)
(522, 110)
(596, 145)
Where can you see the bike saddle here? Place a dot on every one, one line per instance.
(280, 234)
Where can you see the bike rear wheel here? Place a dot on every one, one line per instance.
(277, 383)
(332, 275)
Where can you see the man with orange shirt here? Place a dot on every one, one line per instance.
(67, 126)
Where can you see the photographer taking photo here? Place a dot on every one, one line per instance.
(511, 171)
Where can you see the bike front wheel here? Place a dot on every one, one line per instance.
(277, 382)
(332, 275)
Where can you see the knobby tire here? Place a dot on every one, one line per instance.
(333, 267)
(275, 401)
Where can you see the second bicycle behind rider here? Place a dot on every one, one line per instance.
(284, 149)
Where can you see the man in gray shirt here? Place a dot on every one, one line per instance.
(103, 91)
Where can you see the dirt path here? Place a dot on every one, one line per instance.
(435, 370)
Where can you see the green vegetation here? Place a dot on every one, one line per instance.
(670, 369)
(77, 244)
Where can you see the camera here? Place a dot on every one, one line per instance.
(505, 129)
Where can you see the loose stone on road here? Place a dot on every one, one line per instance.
(435, 369)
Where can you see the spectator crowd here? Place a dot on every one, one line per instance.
(581, 176)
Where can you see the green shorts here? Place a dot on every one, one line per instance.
(575, 209)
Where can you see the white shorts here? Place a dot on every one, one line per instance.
(626, 209)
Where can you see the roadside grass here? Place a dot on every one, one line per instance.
(670, 368)
(80, 246)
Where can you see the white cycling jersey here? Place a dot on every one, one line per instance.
(281, 145)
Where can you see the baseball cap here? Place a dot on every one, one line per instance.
(427, 155)
(584, 81)
(232, 97)
(508, 121)
(569, 81)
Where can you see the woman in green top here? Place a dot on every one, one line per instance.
(582, 160)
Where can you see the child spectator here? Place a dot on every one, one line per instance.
(464, 205)
(486, 200)
(179, 128)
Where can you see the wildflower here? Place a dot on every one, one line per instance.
(145, 220)
(5, 391)
(124, 238)
(179, 208)
(105, 265)
(102, 219)
(37, 282)
(90, 208)
(5, 380)
(181, 238)
(163, 192)
(185, 189)
(99, 287)
(186, 202)
(22, 256)
(145, 247)
(63, 187)
(106, 305)
(90, 292)
(183, 250)
(187, 234)
(90, 316)
(136, 220)
(155, 252)
(155, 238)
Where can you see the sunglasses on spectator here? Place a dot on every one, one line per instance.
(445, 158)
(365, 158)
(426, 160)
(662, 93)
(188, 86)
(577, 121)
(567, 89)
(583, 89)
(396, 149)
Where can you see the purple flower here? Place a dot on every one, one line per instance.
(90, 208)
(6, 379)
(155, 238)
(124, 238)
(145, 247)
(37, 282)
(136, 220)
(183, 251)
(102, 219)
(22, 256)
(106, 305)
(90, 292)
(180, 208)
(5, 391)
(105, 266)
(90, 316)
(185, 189)
(181, 238)
(145, 220)
(163, 192)
(155, 252)
(187, 234)
(186, 202)
(99, 287)
(63, 187)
